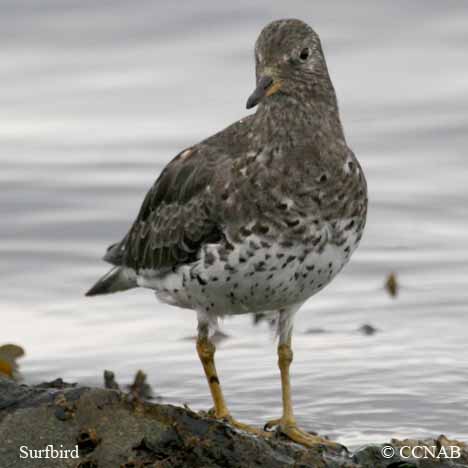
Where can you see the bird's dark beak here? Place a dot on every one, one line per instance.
(266, 87)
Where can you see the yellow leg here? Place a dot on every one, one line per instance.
(287, 423)
(206, 351)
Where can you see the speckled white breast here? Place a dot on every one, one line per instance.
(256, 276)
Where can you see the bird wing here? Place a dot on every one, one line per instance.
(181, 212)
(178, 214)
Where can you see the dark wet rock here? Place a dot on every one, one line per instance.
(110, 429)
(412, 453)
(57, 383)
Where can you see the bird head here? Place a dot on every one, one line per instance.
(289, 61)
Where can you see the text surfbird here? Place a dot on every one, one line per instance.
(256, 218)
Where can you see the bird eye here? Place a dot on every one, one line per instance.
(304, 55)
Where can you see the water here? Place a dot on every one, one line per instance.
(96, 98)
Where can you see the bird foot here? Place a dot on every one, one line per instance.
(211, 413)
(269, 425)
(309, 440)
(244, 427)
(238, 425)
(227, 418)
(292, 432)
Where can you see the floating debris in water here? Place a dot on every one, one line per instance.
(9, 353)
(391, 285)
(367, 329)
(315, 331)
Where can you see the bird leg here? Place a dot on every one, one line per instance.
(287, 423)
(206, 351)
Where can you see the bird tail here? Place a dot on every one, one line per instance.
(117, 279)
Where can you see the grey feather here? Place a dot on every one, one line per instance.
(117, 279)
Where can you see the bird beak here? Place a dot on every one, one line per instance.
(266, 87)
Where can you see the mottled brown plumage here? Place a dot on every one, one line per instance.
(205, 190)
(260, 216)
(293, 146)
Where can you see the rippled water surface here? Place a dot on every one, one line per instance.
(96, 97)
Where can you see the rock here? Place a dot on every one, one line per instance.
(411, 453)
(104, 428)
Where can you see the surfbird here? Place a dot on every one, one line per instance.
(256, 218)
